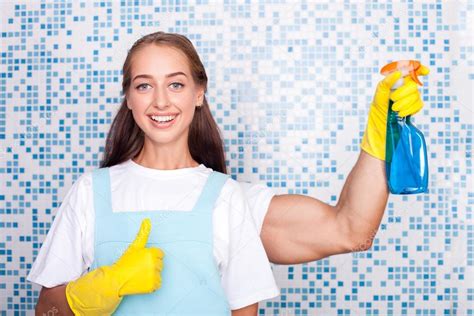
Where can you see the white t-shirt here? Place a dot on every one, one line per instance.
(246, 276)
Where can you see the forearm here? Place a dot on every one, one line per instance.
(53, 300)
(363, 199)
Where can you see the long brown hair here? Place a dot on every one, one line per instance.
(125, 138)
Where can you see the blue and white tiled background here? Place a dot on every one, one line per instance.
(290, 85)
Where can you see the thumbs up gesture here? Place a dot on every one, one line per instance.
(137, 271)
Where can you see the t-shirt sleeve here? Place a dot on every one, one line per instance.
(259, 197)
(60, 258)
(246, 275)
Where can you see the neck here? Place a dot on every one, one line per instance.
(165, 157)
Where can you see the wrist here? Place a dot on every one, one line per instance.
(374, 139)
(95, 293)
(114, 280)
(70, 299)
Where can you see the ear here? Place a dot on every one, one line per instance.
(200, 98)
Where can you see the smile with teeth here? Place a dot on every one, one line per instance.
(162, 119)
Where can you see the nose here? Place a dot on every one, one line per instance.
(160, 98)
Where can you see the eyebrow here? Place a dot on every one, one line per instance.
(167, 76)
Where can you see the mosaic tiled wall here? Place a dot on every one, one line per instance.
(290, 87)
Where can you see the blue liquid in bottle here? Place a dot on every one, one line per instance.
(405, 156)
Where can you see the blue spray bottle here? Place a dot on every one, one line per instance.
(405, 152)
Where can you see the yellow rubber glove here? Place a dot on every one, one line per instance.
(137, 271)
(407, 101)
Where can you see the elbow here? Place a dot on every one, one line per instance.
(41, 305)
(354, 245)
(363, 243)
(40, 309)
(355, 240)
(44, 305)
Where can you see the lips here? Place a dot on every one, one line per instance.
(164, 124)
(162, 114)
(163, 119)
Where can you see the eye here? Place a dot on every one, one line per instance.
(141, 87)
(176, 85)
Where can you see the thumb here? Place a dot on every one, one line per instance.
(422, 71)
(142, 236)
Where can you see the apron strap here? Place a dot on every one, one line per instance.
(210, 192)
(102, 195)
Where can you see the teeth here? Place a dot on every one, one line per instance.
(163, 118)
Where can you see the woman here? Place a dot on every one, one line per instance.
(296, 228)
(164, 167)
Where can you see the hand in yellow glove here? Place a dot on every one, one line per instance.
(407, 101)
(100, 291)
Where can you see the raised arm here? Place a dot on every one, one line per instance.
(300, 228)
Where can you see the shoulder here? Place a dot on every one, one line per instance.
(231, 188)
(252, 189)
(255, 193)
(258, 197)
(80, 188)
(79, 198)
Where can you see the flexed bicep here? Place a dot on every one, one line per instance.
(300, 228)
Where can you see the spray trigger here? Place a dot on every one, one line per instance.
(407, 67)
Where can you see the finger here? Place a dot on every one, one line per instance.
(159, 266)
(405, 90)
(157, 253)
(422, 71)
(142, 236)
(413, 109)
(416, 108)
(408, 80)
(157, 282)
(404, 103)
(387, 83)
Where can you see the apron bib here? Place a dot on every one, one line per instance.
(190, 281)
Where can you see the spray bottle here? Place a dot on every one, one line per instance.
(405, 152)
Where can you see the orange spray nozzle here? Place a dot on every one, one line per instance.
(405, 66)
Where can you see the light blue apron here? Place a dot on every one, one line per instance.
(190, 281)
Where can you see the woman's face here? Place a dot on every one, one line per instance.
(162, 85)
